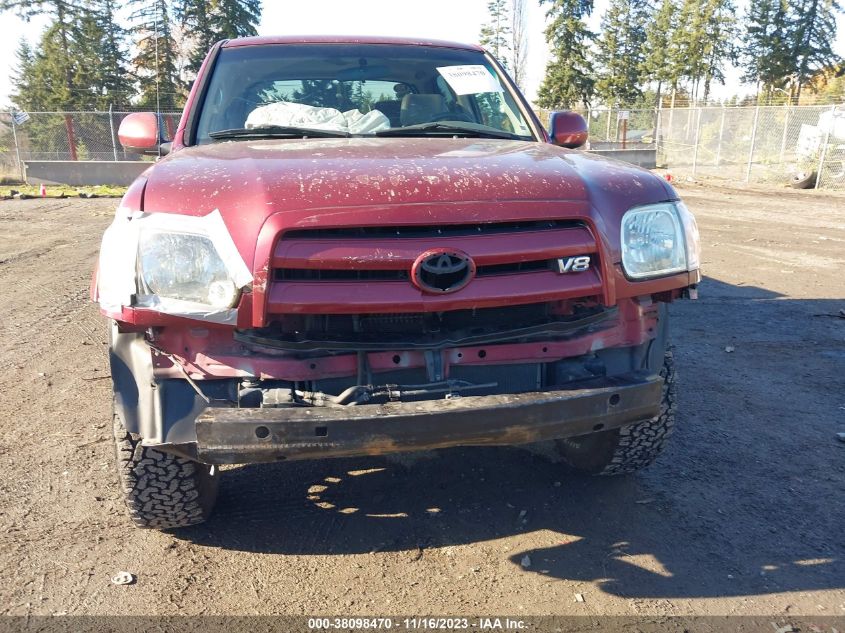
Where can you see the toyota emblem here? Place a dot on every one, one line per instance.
(442, 270)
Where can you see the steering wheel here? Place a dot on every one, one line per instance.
(451, 116)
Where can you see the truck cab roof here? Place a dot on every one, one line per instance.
(263, 40)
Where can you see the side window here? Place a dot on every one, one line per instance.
(498, 110)
(273, 91)
(492, 111)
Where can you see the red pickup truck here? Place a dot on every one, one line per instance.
(356, 246)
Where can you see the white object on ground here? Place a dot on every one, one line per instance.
(123, 578)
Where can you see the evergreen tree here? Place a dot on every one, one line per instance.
(41, 85)
(718, 46)
(115, 78)
(765, 48)
(156, 61)
(235, 18)
(568, 77)
(22, 75)
(100, 77)
(679, 64)
(620, 52)
(209, 21)
(656, 65)
(64, 13)
(87, 71)
(79, 55)
(41, 82)
(701, 43)
(495, 34)
(813, 35)
(194, 17)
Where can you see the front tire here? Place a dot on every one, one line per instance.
(629, 448)
(161, 490)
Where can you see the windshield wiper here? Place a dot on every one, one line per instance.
(276, 131)
(449, 128)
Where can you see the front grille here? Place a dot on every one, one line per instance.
(311, 274)
(367, 270)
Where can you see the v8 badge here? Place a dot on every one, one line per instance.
(573, 264)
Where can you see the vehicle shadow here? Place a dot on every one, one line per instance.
(745, 501)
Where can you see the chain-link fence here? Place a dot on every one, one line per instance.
(74, 136)
(766, 144)
(617, 127)
(9, 164)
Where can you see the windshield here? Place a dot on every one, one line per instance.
(356, 89)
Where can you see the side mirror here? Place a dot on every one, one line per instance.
(568, 129)
(140, 133)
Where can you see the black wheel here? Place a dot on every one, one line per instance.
(161, 490)
(628, 448)
(803, 180)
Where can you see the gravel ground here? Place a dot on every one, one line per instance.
(742, 515)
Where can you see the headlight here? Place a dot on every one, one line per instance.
(656, 241)
(692, 237)
(184, 267)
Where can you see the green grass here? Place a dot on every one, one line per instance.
(58, 191)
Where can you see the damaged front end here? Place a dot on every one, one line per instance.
(344, 343)
(220, 396)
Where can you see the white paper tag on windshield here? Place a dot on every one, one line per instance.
(466, 80)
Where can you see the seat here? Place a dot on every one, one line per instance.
(420, 108)
(389, 108)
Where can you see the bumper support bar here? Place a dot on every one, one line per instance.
(236, 436)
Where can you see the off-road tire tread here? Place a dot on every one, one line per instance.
(640, 443)
(162, 491)
(632, 447)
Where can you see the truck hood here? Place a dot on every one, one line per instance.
(325, 182)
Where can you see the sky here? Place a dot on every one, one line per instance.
(457, 20)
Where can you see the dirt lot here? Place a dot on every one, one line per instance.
(744, 513)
